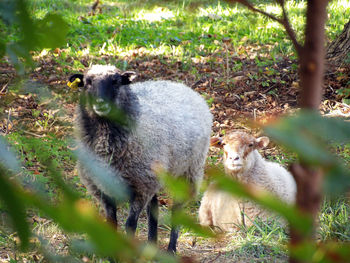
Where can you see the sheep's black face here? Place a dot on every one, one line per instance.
(101, 87)
(101, 92)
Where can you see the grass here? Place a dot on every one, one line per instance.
(173, 32)
(334, 219)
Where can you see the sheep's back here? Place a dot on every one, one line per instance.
(174, 124)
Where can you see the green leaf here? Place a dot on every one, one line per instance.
(322, 252)
(295, 218)
(2, 48)
(51, 31)
(337, 180)
(300, 141)
(179, 188)
(311, 136)
(11, 198)
(7, 158)
(16, 53)
(103, 175)
(180, 218)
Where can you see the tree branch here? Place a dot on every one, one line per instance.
(284, 21)
(289, 29)
(253, 8)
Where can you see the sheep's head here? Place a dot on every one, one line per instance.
(238, 146)
(101, 87)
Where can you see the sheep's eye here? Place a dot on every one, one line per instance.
(250, 145)
(88, 82)
(116, 80)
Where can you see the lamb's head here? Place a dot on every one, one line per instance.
(102, 87)
(238, 149)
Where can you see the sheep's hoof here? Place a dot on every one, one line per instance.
(172, 250)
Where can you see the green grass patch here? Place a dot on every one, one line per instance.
(31, 150)
(334, 220)
(176, 30)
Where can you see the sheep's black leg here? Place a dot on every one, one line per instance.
(136, 206)
(152, 214)
(110, 209)
(174, 234)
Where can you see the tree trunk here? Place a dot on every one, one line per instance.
(311, 73)
(339, 50)
(311, 59)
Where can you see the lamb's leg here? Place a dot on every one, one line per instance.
(152, 214)
(205, 211)
(110, 209)
(174, 234)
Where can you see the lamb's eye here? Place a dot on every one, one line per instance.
(250, 145)
(88, 81)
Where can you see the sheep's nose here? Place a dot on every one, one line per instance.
(235, 158)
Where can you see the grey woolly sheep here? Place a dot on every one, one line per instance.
(243, 162)
(167, 124)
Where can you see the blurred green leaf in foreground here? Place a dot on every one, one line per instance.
(313, 138)
(34, 34)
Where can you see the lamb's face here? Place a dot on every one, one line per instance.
(101, 86)
(238, 147)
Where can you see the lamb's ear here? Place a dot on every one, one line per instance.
(76, 80)
(128, 77)
(262, 142)
(216, 141)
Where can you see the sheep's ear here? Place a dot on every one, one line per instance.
(216, 141)
(262, 142)
(128, 77)
(76, 80)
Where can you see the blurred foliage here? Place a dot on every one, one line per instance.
(71, 213)
(322, 252)
(313, 137)
(307, 134)
(298, 220)
(34, 34)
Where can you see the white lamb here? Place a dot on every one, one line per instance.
(243, 162)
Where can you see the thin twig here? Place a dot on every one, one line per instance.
(284, 21)
(217, 256)
(4, 88)
(289, 29)
(8, 121)
(227, 64)
(33, 134)
(253, 8)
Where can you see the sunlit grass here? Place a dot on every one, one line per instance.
(176, 30)
(157, 14)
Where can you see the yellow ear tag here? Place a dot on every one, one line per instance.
(74, 85)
